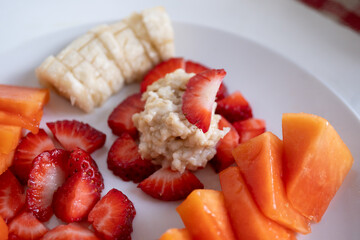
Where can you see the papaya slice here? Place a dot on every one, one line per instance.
(16, 119)
(9, 138)
(6, 161)
(316, 162)
(260, 162)
(4, 230)
(176, 234)
(204, 214)
(248, 222)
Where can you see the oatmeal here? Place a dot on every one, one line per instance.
(166, 136)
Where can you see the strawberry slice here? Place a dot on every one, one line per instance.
(73, 201)
(234, 107)
(199, 97)
(81, 161)
(125, 161)
(72, 231)
(168, 185)
(29, 147)
(194, 67)
(26, 226)
(120, 120)
(72, 134)
(249, 128)
(47, 174)
(112, 216)
(160, 70)
(12, 196)
(222, 92)
(224, 157)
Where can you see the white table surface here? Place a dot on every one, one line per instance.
(321, 46)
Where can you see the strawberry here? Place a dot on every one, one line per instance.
(12, 196)
(26, 227)
(168, 185)
(194, 67)
(81, 161)
(120, 120)
(47, 174)
(72, 134)
(222, 92)
(160, 70)
(72, 231)
(249, 128)
(234, 107)
(29, 147)
(112, 216)
(199, 97)
(73, 201)
(125, 161)
(224, 157)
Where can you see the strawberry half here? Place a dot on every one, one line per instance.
(199, 97)
(120, 120)
(194, 67)
(47, 174)
(168, 185)
(73, 201)
(12, 196)
(81, 161)
(222, 92)
(125, 160)
(26, 226)
(160, 70)
(29, 147)
(224, 157)
(249, 128)
(234, 107)
(73, 134)
(112, 216)
(72, 231)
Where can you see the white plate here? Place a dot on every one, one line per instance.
(273, 86)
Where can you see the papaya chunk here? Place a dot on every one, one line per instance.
(316, 162)
(9, 138)
(204, 214)
(248, 222)
(176, 234)
(16, 119)
(4, 230)
(260, 162)
(6, 161)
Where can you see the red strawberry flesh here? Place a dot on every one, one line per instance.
(199, 97)
(194, 67)
(112, 216)
(73, 134)
(12, 196)
(125, 160)
(48, 173)
(160, 71)
(249, 128)
(234, 107)
(72, 231)
(168, 185)
(25, 226)
(29, 147)
(120, 120)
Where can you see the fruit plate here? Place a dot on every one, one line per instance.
(272, 84)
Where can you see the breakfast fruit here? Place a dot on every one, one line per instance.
(199, 97)
(4, 230)
(112, 216)
(234, 107)
(73, 201)
(223, 157)
(73, 134)
(6, 161)
(124, 160)
(316, 162)
(26, 226)
(176, 234)
(168, 185)
(15, 119)
(12, 196)
(10, 136)
(96, 65)
(47, 174)
(120, 120)
(194, 67)
(249, 128)
(260, 162)
(81, 161)
(72, 231)
(247, 220)
(205, 216)
(29, 147)
(160, 70)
